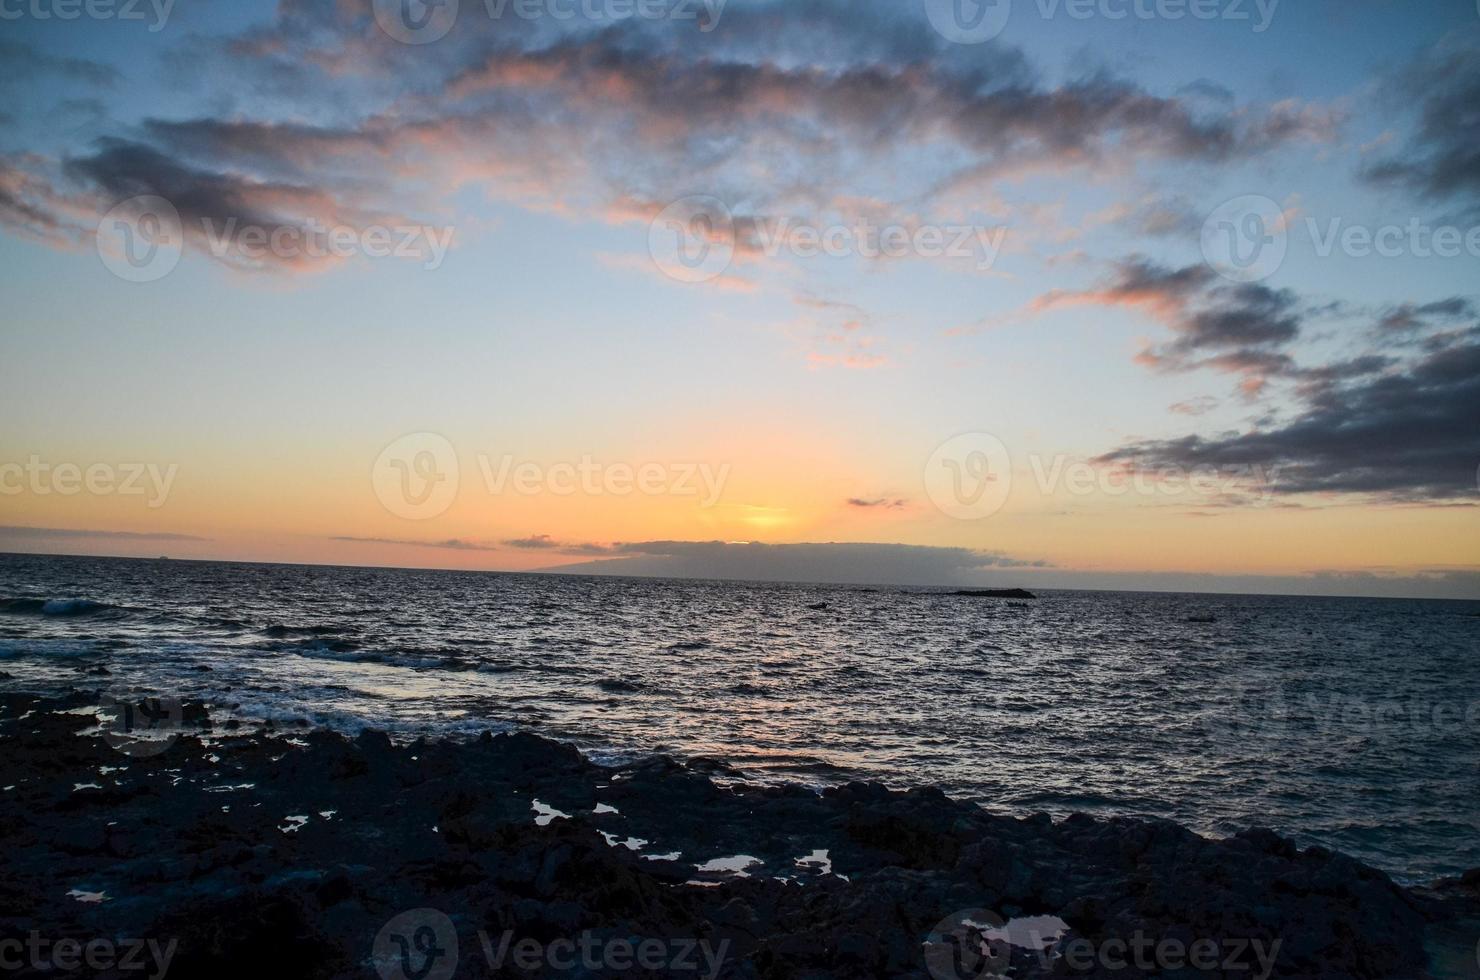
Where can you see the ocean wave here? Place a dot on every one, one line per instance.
(52, 648)
(345, 652)
(279, 631)
(54, 607)
(290, 717)
(74, 607)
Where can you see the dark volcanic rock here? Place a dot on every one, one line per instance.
(304, 855)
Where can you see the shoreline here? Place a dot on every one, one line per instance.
(1193, 710)
(247, 848)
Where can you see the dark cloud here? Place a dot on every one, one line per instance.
(1240, 316)
(1410, 434)
(589, 548)
(1410, 317)
(885, 104)
(1206, 89)
(1240, 328)
(279, 148)
(889, 564)
(545, 542)
(1137, 281)
(1249, 329)
(885, 503)
(1317, 380)
(218, 209)
(877, 564)
(1381, 422)
(1452, 583)
(122, 169)
(21, 62)
(536, 542)
(1442, 158)
(825, 99)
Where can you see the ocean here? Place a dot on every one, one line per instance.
(1349, 723)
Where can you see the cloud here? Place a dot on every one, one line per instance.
(851, 312)
(29, 533)
(220, 209)
(1386, 422)
(1455, 582)
(1166, 217)
(591, 548)
(536, 542)
(1421, 583)
(21, 62)
(1207, 89)
(448, 544)
(663, 92)
(879, 564)
(1239, 328)
(838, 334)
(1195, 406)
(32, 207)
(1400, 434)
(1442, 157)
(1249, 329)
(1411, 318)
(1155, 216)
(545, 542)
(885, 503)
(573, 118)
(901, 564)
(1137, 282)
(533, 542)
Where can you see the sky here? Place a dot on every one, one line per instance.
(1142, 294)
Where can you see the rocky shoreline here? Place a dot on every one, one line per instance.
(309, 854)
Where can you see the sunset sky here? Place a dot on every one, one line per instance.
(1059, 324)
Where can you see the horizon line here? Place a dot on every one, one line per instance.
(555, 571)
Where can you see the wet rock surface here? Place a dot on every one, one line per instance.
(293, 854)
